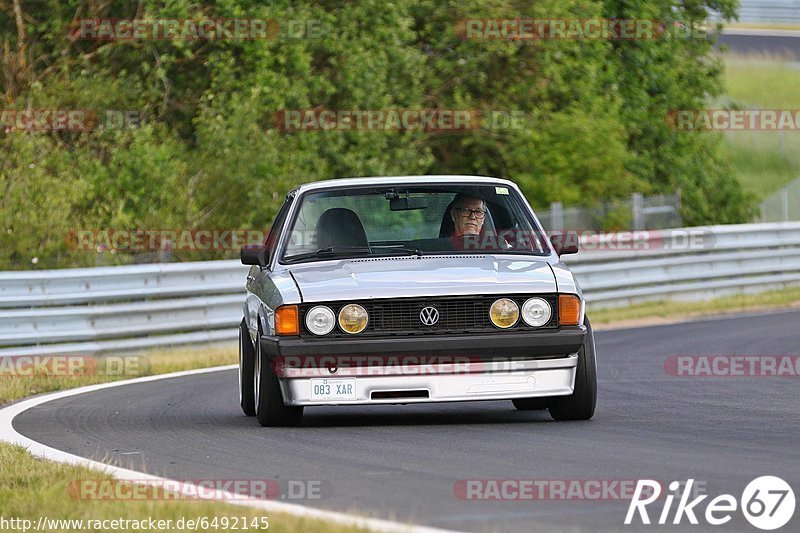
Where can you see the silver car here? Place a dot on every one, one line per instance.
(397, 290)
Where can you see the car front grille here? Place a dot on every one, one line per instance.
(457, 314)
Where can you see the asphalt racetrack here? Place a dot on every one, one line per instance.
(787, 46)
(408, 462)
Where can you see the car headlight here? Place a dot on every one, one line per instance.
(353, 318)
(536, 312)
(320, 320)
(504, 313)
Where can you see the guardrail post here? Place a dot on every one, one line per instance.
(556, 216)
(165, 253)
(785, 204)
(637, 211)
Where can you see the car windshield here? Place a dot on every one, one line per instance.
(413, 220)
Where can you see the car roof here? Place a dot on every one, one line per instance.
(395, 180)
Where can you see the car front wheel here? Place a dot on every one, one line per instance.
(270, 409)
(246, 362)
(581, 403)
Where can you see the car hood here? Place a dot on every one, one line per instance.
(397, 277)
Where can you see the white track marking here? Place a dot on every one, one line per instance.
(10, 435)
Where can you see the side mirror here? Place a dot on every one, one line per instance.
(254, 254)
(565, 243)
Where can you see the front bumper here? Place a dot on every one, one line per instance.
(438, 368)
(490, 381)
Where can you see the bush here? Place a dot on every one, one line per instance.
(208, 156)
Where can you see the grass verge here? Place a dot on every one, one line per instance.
(764, 161)
(31, 488)
(762, 26)
(666, 311)
(150, 363)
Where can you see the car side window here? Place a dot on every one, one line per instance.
(275, 230)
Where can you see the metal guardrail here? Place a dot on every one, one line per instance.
(124, 308)
(691, 264)
(130, 308)
(780, 11)
(766, 12)
(122, 283)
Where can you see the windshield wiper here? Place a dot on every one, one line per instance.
(329, 251)
(403, 250)
(332, 251)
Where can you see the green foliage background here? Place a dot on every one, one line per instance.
(207, 158)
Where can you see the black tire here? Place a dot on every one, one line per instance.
(270, 409)
(531, 404)
(581, 403)
(246, 363)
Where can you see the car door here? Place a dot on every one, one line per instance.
(258, 282)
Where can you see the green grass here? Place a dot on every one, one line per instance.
(663, 311)
(155, 362)
(31, 487)
(763, 26)
(764, 161)
(763, 80)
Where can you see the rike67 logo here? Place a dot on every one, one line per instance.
(767, 503)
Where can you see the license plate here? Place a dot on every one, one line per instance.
(333, 389)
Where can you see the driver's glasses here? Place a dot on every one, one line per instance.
(465, 212)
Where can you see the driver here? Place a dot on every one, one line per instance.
(467, 213)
